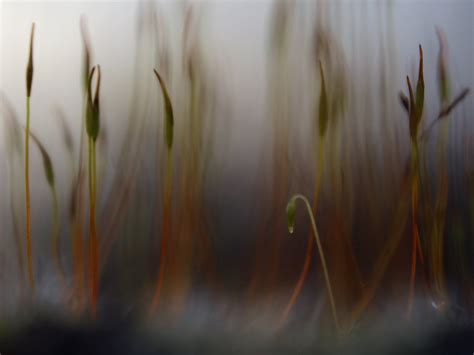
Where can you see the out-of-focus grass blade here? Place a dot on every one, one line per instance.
(420, 89)
(443, 76)
(66, 131)
(447, 110)
(323, 104)
(169, 121)
(47, 164)
(86, 58)
(405, 102)
(13, 135)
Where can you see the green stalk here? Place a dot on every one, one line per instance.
(291, 214)
(27, 196)
(309, 247)
(29, 82)
(322, 122)
(77, 203)
(165, 231)
(93, 128)
(166, 224)
(415, 114)
(415, 230)
(93, 245)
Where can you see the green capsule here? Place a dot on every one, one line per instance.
(291, 214)
(93, 111)
(29, 67)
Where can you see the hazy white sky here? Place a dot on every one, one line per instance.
(235, 35)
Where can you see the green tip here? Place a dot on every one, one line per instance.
(291, 214)
(93, 112)
(169, 121)
(47, 164)
(420, 88)
(86, 55)
(443, 76)
(29, 68)
(404, 101)
(412, 112)
(323, 104)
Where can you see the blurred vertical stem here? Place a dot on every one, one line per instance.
(77, 197)
(437, 252)
(93, 245)
(55, 239)
(29, 81)
(49, 176)
(415, 114)
(93, 127)
(166, 224)
(416, 246)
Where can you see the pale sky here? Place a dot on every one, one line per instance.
(235, 41)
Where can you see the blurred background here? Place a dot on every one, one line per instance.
(269, 99)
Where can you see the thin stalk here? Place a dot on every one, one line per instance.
(29, 82)
(78, 210)
(441, 200)
(16, 230)
(416, 243)
(291, 209)
(78, 214)
(27, 189)
(166, 226)
(93, 243)
(309, 247)
(93, 128)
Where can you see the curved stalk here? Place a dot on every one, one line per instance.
(166, 224)
(322, 120)
(310, 245)
(291, 213)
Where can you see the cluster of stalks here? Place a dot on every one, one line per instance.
(414, 108)
(185, 246)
